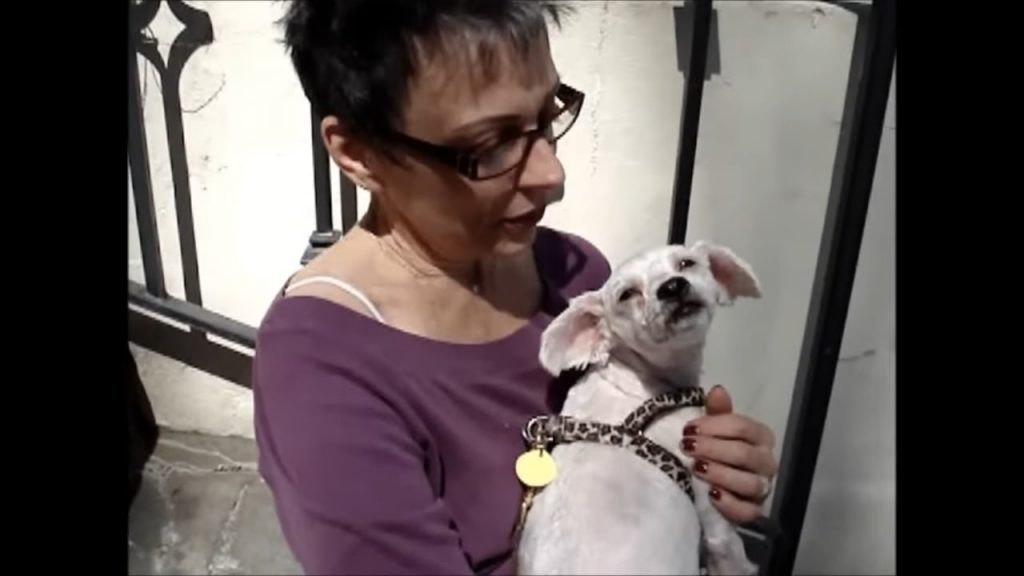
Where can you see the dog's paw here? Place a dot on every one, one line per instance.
(729, 558)
(731, 567)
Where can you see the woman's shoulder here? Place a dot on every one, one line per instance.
(318, 364)
(569, 262)
(306, 343)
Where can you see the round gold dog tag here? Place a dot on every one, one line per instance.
(535, 468)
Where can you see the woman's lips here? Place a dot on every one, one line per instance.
(525, 219)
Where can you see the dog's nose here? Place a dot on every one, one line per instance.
(673, 289)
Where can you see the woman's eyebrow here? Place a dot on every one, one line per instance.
(479, 125)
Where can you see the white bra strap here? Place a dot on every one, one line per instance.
(344, 286)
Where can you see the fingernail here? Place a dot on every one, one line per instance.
(716, 387)
(716, 494)
(701, 466)
(690, 430)
(689, 444)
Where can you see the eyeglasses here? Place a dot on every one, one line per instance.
(508, 154)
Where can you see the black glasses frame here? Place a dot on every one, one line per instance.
(466, 162)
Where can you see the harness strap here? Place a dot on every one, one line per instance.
(642, 417)
(566, 430)
(554, 430)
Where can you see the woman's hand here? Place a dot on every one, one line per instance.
(733, 454)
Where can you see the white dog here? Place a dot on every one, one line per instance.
(618, 509)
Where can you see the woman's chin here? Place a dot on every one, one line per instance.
(510, 244)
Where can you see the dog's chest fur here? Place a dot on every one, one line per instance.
(626, 515)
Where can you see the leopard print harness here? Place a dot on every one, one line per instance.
(553, 430)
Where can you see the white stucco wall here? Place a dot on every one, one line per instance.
(768, 136)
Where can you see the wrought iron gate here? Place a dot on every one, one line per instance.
(772, 540)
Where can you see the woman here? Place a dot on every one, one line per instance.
(393, 373)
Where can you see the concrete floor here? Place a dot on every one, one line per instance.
(203, 509)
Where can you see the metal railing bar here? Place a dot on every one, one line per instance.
(191, 348)
(690, 120)
(321, 180)
(324, 235)
(142, 187)
(194, 315)
(349, 210)
(182, 186)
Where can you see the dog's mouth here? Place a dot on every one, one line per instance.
(685, 310)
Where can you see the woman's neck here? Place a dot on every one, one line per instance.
(403, 247)
(423, 266)
(489, 277)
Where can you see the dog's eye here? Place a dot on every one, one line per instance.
(628, 294)
(686, 263)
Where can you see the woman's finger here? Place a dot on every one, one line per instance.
(718, 400)
(744, 485)
(733, 508)
(732, 426)
(735, 453)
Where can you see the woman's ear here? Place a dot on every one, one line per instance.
(352, 156)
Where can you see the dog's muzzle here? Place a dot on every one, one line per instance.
(677, 299)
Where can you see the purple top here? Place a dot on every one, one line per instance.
(390, 453)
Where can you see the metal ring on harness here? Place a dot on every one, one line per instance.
(534, 430)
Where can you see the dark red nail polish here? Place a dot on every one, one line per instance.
(690, 430)
(689, 444)
(716, 494)
(701, 466)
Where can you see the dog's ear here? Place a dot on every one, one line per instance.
(577, 337)
(734, 276)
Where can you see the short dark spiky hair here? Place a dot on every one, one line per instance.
(355, 58)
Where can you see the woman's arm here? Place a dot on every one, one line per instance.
(734, 455)
(347, 473)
